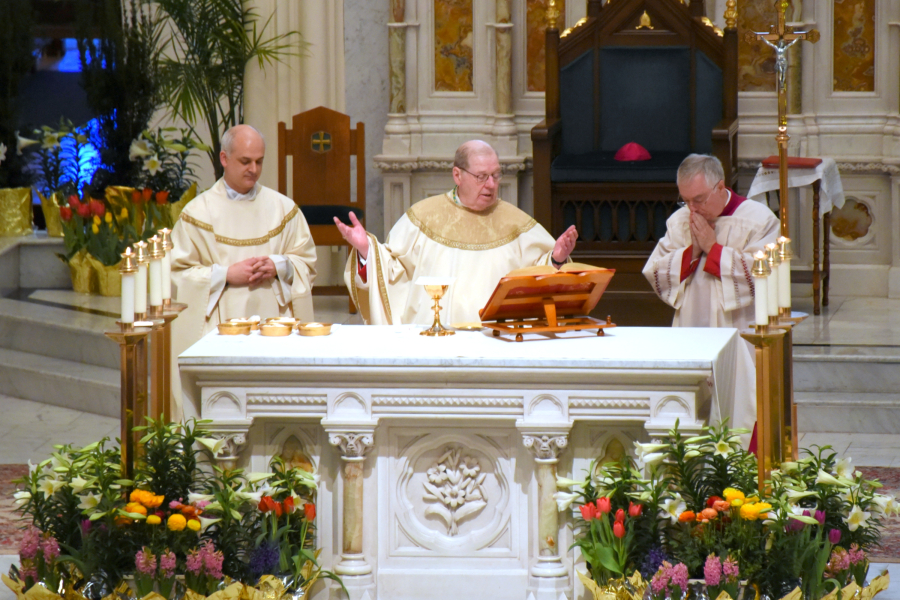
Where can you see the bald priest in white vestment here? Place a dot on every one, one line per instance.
(241, 249)
(466, 233)
(702, 265)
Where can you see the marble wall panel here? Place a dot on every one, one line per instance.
(854, 45)
(453, 41)
(756, 61)
(535, 44)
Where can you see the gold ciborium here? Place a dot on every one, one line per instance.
(436, 287)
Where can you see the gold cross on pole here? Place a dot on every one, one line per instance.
(780, 38)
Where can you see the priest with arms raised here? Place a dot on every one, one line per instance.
(466, 233)
(702, 265)
(242, 249)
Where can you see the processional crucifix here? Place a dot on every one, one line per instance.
(781, 37)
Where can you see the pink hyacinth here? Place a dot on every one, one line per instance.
(731, 570)
(194, 562)
(26, 572)
(712, 570)
(212, 560)
(857, 555)
(167, 564)
(660, 581)
(679, 575)
(145, 562)
(50, 548)
(30, 543)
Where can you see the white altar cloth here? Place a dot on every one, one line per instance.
(831, 192)
(422, 406)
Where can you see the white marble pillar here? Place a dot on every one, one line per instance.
(397, 56)
(353, 568)
(503, 123)
(549, 577)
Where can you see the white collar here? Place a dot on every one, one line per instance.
(233, 195)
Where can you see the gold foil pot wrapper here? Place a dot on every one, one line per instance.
(616, 589)
(15, 211)
(175, 208)
(84, 278)
(109, 278)
(50, 209)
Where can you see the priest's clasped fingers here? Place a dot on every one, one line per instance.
(263, 270)
(355, 234)
(702, 233)
(565, 244)
(251, 271)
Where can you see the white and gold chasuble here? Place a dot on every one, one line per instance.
(215, 230)
(437, 237)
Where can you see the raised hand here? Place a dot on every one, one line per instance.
(565, 244)
(355, 234)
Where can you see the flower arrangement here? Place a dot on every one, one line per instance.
(164, 159)
(90, 528)
(59, 160)
(690, 507)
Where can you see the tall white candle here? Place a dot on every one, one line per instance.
(772, 301)
(140, 289)
(761, 300)
(166, 262)
(127, 298)
(155, 282)
(784, 272)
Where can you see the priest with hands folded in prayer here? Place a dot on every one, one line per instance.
(468, 234)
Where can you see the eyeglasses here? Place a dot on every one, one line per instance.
(696, 202)
(482, 179)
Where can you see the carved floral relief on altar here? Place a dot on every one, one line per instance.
(854, 45)
(756, 61)
(852, 221)
(453, 43)
(451, 493)
(535, 43)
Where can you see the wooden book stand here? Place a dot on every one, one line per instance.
(547, 303)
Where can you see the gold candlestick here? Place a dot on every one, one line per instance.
(161, 400)
(142, 256)
(165, 237)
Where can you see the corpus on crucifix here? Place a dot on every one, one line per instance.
(781, 37)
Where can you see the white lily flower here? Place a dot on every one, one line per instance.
(31, 468)
(212, 506)
(50, 485)
(254, 497)
(564, 500)
(21, 498)
(212, 444)
(692, 453)
(78, 484)
(200, 497)
(2, 152)
(793, 495)
(673, 507)
(788, 467)
(138, 149)
(653, 459)
(22, 143)
(857, 517)
(886, 504)
(826, 479)
(152, 164)
(564, 482)
(843, 468)
(645, 449)
(50, 141)
(89, 501)
(204, 522)
(723, 449)
(258, 476)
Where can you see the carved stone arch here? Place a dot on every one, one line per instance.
(672, 407)
(223, 404)
(297, 446)
(611, 446)
(547, 407)
(350, 405)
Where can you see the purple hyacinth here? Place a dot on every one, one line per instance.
(652, 562)
(264, 560)
(712, 570)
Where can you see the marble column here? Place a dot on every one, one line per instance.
(397, 58)
(503, 125)
(549, 577)
(353, 568)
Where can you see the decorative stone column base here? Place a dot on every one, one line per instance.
(353, 564)
(359, 587)
(549, 588)
(549, 566)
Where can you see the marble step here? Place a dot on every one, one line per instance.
(60, 382)
(847, 369)
(848, 412)
(47, 325)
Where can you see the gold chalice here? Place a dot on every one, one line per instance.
(436, 287)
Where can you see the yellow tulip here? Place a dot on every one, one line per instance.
(97, 220)
(95, 229)
(108, 218)
(124, 214)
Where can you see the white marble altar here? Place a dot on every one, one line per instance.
(446, 449)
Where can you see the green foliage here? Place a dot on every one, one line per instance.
(205, 57)
(168, 465)
(119, 45)
(16, 60)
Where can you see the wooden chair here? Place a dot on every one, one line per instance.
(320, 143)
(655, 72)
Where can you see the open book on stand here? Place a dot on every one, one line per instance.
(543, 299)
